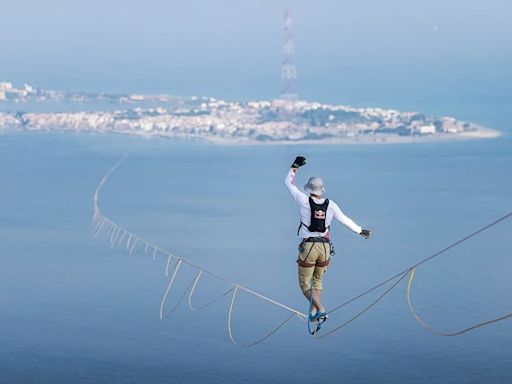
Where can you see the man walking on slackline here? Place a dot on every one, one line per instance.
(316, 214)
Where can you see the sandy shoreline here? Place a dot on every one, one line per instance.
(379, 139)
(479, 134)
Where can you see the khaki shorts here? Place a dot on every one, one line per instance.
(311, 253)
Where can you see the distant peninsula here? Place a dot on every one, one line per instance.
(219, 121)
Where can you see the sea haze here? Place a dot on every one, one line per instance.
(76, 311)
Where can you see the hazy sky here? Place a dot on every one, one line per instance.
(232, 48)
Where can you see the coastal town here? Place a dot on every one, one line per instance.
(222, 121)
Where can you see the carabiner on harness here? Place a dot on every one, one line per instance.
(332, 252)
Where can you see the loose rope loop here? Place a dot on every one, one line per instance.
(428, 327)
(168, 289)
(230, 331)
(192, 291)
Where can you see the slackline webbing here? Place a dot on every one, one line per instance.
(119, 236)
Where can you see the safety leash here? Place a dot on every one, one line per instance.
(311, 332)
(318, 321)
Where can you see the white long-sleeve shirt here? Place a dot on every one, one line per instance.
(333, 211)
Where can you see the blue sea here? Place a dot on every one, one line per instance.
(74, 310)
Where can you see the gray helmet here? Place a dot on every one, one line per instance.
(315, 186)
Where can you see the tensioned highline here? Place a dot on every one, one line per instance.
(119, 236)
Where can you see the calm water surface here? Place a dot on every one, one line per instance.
(75, 311)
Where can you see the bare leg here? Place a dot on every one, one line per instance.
(317, 293)
(317, 302)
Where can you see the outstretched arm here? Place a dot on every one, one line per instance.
(349, 223)
(344, 219)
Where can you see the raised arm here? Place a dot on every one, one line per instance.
(289, 181)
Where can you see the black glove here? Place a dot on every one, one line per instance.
(299, 162)
(365, 233)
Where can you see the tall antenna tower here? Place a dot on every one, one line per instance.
(288, 69)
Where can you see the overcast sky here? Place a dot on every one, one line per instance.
(232, 48)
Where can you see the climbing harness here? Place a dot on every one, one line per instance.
(318, 263)
(119, 236)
